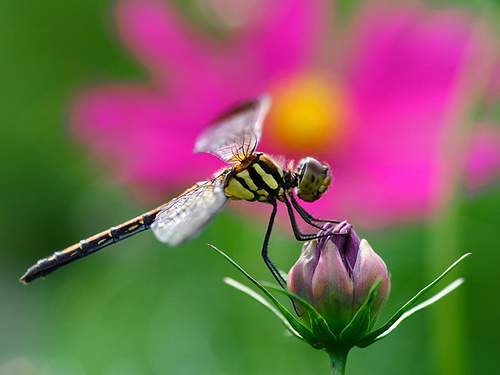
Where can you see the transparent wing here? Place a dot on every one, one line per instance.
(236, 133)
(183, 217)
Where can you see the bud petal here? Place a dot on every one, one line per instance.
(300, 276)
(368, 269)
(332, 291)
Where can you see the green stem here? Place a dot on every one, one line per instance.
(448, 343)
(338, 360)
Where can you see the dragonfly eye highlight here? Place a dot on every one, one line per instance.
(313, 179)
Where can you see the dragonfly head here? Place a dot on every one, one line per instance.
(313, 179)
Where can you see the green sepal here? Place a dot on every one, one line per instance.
(319, 326)
(361, 323)
(409, 307)
(293, 322)
(243, 288)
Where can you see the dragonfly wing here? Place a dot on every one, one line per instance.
(235, 134)
(183, 217)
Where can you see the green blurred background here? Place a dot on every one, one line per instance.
(142, 308)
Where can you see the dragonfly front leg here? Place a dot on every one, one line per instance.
(308, 219)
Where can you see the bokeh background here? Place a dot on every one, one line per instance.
(101, 102)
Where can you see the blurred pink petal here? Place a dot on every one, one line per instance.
(131, 129)
(157, 35)
(197, 66)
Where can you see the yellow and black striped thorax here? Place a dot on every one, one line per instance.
(258, 178)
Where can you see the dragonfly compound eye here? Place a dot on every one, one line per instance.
(313, 179)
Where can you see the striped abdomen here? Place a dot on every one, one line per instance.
(90, 245)
(258, 178)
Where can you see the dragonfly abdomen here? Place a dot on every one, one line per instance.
(260, 180)
(90, 245)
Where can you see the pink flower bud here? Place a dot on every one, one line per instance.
(335, 275)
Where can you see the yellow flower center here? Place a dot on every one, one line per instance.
(308, 114)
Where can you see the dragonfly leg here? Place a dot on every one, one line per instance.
(308, 219)
(274, 270)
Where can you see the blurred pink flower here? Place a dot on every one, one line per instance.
(379, 102)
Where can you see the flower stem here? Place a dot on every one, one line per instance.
(448, 346)
(338, 359)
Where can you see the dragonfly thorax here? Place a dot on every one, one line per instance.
(258, 178)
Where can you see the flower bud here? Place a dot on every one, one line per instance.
(335, 275)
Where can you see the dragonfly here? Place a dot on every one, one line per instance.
(251, 176)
